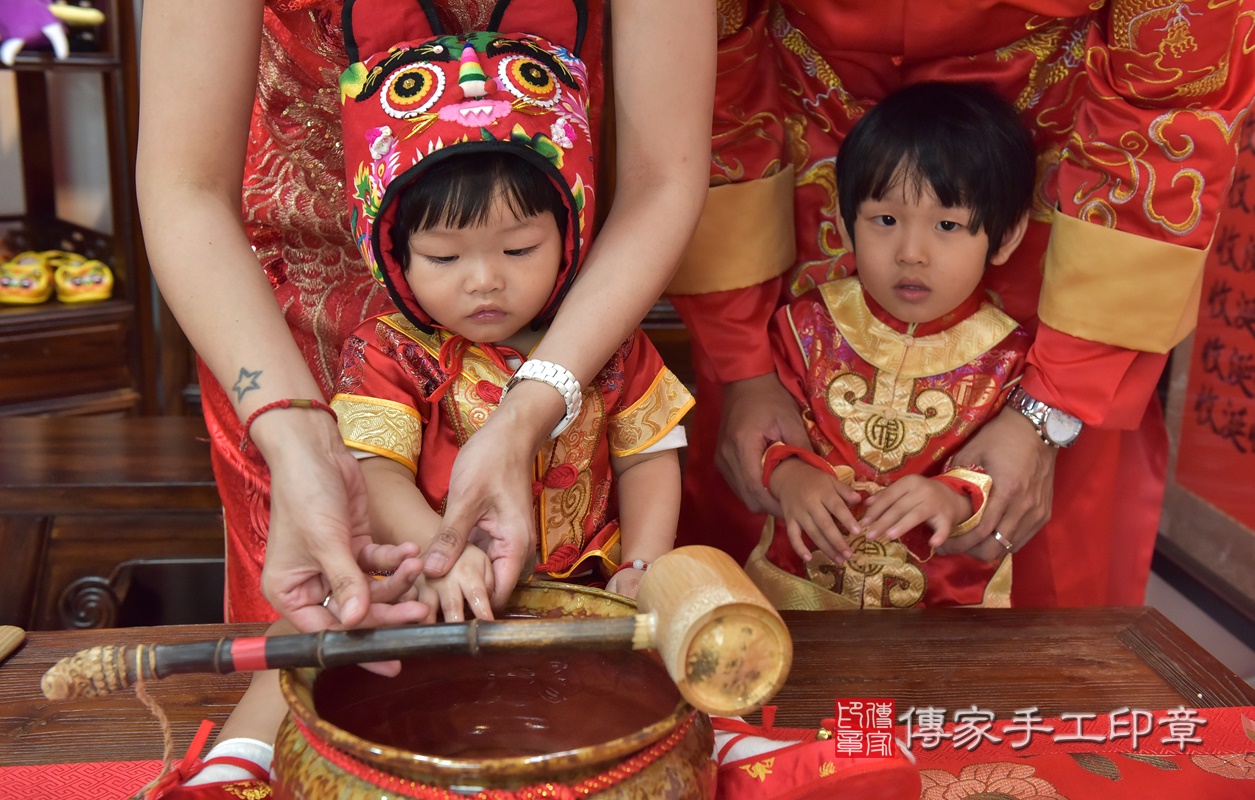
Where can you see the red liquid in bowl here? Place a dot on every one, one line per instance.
(501, 705)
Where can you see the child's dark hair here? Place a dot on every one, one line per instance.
(458, 192)
(960, 140)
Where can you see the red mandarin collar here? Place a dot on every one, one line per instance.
(964, 310)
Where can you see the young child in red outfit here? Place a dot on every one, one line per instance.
(894, 368)
(470, 176)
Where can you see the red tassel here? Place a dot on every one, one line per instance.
(769, 717)
(560, 560)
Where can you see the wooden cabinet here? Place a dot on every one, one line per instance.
(108, 521)
(86, 358)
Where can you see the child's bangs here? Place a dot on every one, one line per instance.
(460, 192)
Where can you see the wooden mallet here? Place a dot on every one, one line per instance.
(723, 644)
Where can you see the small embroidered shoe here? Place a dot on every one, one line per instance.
(78, 279)
(26, 279)
(170, 785)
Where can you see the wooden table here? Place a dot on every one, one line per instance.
(1062, 661)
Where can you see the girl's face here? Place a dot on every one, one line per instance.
(487, 282)
(918, 259)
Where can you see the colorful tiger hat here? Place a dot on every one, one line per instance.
(413, 95)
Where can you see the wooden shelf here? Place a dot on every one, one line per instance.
(88, 358)
(76, 62)
(54, 313)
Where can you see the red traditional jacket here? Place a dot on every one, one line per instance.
(390, 368)
(882, 398)
(1135, 109)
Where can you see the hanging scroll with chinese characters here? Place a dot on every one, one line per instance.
(1209, 512)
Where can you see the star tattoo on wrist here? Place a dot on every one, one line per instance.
(245, 383)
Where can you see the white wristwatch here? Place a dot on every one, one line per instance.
(558, 377)
(1055, 427)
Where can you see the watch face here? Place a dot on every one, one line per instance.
(1062, 428)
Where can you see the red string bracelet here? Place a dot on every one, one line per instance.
(637, 564)
(286, 402)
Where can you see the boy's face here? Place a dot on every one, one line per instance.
(487, 282)
(916, 258)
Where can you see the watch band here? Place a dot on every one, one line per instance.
(557, 376)
(1038, 413)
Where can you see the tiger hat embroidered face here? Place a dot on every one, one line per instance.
(414, 96)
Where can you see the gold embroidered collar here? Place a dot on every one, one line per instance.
(908, 355)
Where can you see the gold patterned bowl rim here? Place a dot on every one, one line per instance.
(533, 597)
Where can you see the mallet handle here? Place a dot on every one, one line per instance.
(102, 670)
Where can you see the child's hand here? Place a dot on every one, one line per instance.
(915, 500)
(815, 502)
(468, 583)
(626, 582)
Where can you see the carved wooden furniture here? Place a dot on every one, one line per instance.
(108, 521)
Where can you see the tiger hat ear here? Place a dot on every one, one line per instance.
(374, 26)
(563, 22)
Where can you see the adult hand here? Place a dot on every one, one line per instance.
(1023, 470)
(319, 542)
(756, 412)
(490, 500)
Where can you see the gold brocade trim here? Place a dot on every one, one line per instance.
(981, 480)
(744, 237)
(643, 423)
(383, 427)
(247, 790)
(1116, 288)
(609, 557)
(788, 592)
(911, 357)
(562, 512)
(998, 590)
(880, 574)
(785, 591)
(731, 16)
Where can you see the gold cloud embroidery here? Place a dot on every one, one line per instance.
(759, 769)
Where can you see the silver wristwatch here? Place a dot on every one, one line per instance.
(557, 376)
(1055, 427)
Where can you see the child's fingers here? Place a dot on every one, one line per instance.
(477, 599)
(942, 528)
(878, 508)
(827, 536)
(901, 517)
(840, 511)
(479, 594)
(848, 494)
(794, 532)
(452, 604)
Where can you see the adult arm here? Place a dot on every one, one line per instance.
(1139, 190)
(728, 286)
(662, 110)
(198, 78)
